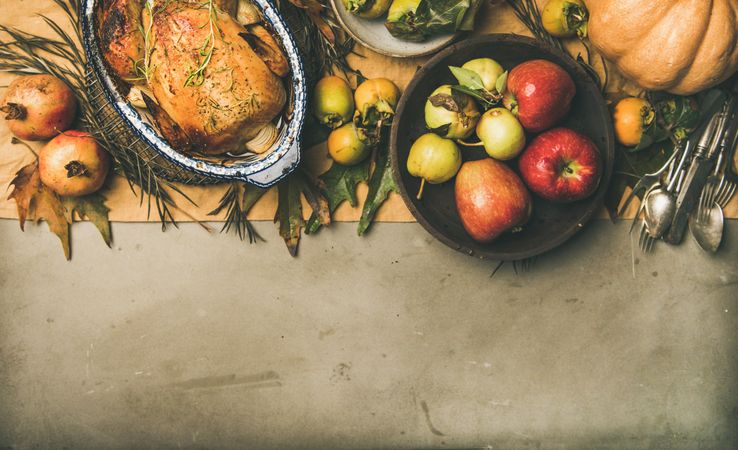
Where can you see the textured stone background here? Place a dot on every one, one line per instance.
(190, 340)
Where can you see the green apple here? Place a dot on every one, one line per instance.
(501, 134)
(488, 70)
(434, 159)
(450, 114)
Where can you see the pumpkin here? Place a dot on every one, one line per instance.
(680, 46)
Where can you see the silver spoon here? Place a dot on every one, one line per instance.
(708, 232)
(660, 204)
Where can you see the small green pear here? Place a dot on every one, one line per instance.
(434, 159)
(450, 114)
(501, 134)
(488, 70)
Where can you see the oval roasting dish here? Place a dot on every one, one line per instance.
(285, 154)
(552, 223)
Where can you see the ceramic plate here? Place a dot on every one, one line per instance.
(373, 35)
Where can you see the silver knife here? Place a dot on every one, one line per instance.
(699, 170)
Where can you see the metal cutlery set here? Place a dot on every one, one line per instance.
(692, 188)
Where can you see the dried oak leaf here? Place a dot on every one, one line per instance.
(93, 208)
(25, 186)
(31, 195)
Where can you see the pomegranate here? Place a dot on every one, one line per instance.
(73, 164)
(39, 107)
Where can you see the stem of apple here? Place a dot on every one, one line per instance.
(420, 191)
(470, 144)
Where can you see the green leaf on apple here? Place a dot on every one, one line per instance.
(501, 83)
(467, 78)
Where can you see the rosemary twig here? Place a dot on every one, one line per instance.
(527, 12)
(236, 205)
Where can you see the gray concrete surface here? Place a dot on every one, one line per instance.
(186, 340)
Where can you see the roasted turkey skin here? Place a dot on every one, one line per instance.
(208, 80)
(121, 40)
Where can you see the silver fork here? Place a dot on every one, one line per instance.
(727, 187)
(725, 193)
(646, 182)
(645, 242)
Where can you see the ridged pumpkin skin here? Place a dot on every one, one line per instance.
(680, 46)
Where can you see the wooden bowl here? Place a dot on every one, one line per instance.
(552, 223)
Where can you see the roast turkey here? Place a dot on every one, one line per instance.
(120, 37)
(215, 83)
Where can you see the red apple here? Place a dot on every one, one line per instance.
(561, 165)
(541, 93)
(490, 199)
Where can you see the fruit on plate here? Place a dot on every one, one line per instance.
(368, 9)
(501, 134)
(401, 21)
(630, 117)
(565, 18)
(561, 165)
(434, 159)
(490, 199)
(417, 20)
(375, 101)
(488, 70)
(680, 46)
(334, 101)
(539, 93)
(73, 164)
(346, 146)
(451, 114)
(38, 107)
